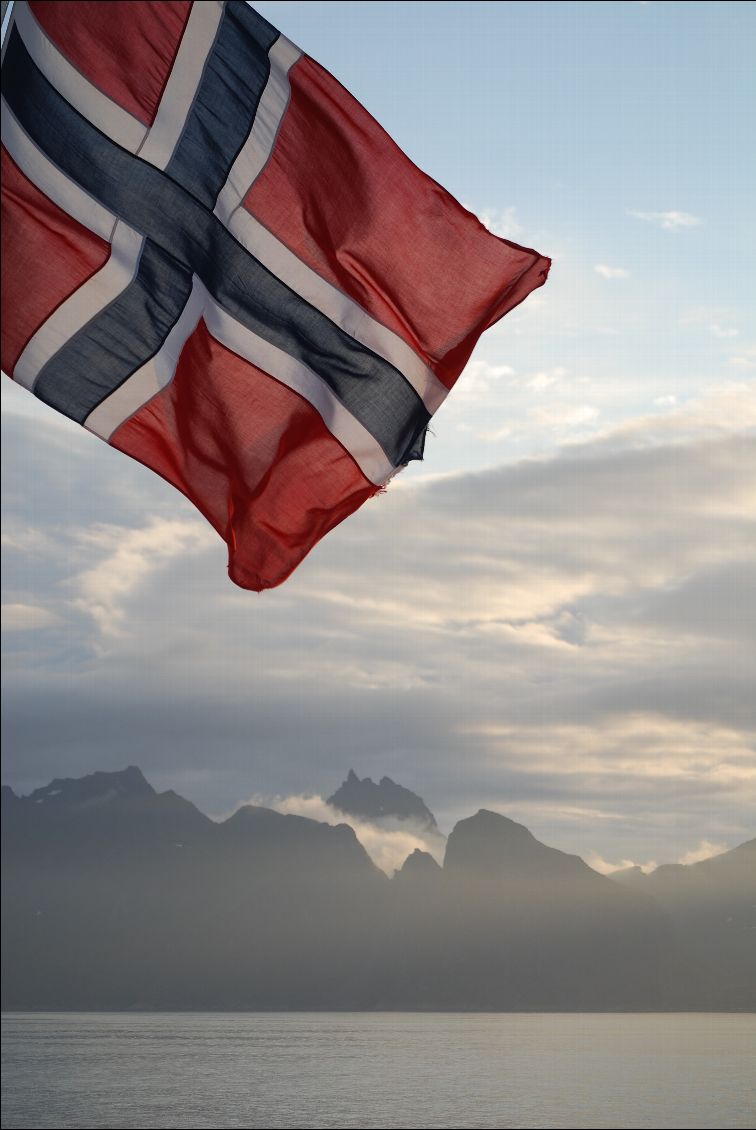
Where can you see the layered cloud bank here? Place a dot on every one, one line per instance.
(568, 639)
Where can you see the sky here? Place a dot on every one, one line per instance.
(553, 615)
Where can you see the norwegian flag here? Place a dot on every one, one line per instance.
(216, 260)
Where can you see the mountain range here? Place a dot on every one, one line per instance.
(116, 896)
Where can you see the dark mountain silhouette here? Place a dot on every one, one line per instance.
(489, 845)
(420, 867)
(515, 924)
(712, 905)
(116, 896)
(370, 801)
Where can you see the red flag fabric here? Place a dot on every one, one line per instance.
(216, 260)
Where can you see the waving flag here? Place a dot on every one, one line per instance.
(216, 260)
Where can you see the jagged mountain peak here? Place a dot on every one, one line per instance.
(367, 800)
(94, 788)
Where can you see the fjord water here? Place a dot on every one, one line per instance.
(379, 1070)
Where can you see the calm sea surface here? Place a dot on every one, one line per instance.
(378, 1070)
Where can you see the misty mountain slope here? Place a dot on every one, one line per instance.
(116, 896)
(293, 907)
(418, 868)
(712, 905)
(89, 868)
(525, 926)
(288, 841)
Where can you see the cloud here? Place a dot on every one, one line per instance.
(495, 435)
(605, 867)
(479, 379)
(388, 842)
(669, 221)
(722, 331)
(501, 221)
(705, 850)
(562, 638)
(611, 272)
(720, 410)
(25, 539)
(746, 359)
(546, 377)
(128, 557)
(563, 418)
(26, 617)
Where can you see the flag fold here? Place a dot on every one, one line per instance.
(216, 260)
